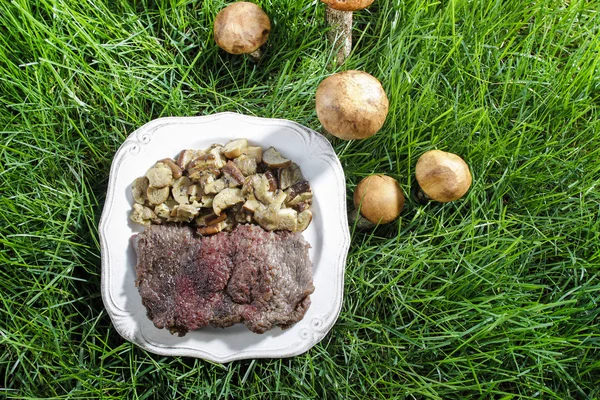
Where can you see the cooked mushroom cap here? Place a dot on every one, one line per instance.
(304, 219)
(241, 28)
(160, 176)
(443, 176)
(184, 212)
(289, 176)
(234, 148)
(142, 215)
(380, 198)
(215, 186)
(273, 159)
(246, 164)
(253, 152)
(157, 195)
(348, 5)
(184, 157)
(351, 105)
(211, 229)
(180, 190)
(175, 169)
(226, 198)
(163, 211)
(138, 189)
(234, 176)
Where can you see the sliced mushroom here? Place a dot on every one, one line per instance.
(247, 165)
(194, 192)
(230, 222)
(233, 175)
(175, 169)
(267, 220)
(212, 229)
(206, 177)
(298, 193)
(215, 186)
(215, 150)
(184, 213)
(204, 202)
(138, 189)
(206, 162)
(142, 215)
(210, 219)
(272, 180)
(277, 197)
(288, 219)
(171, 203)
(273, 159)
(301, 198)
(278, 200)
(226, 198)
(251, 205)
(304, 219)
(160, 176)
(303, 205)
(147, 213)
(258, 185)
(157, 195)
(240, 215)
(254, 152)
(163, 211)
(185, 156)
(234, 148)
(289, 176)
(180, 190)
(284, 219)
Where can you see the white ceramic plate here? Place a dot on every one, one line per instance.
(327, 234)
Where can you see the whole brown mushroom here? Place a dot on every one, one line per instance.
(351, 105)
(442, 176)
(242, 28)
(379, 198)
(339, 17)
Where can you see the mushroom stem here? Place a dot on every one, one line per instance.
(341, 32)
(256, 55)
(361, 222)
(418, 194)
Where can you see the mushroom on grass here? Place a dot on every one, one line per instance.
(242, 28)
(339, 17)
(351, 105)
(379, 199)
(442, 176)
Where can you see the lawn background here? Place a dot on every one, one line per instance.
(493, 296)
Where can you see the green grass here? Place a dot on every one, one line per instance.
(493, 296)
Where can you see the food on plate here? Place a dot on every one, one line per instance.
(222, 243)
(249, 275)
(379, 198)
(242, 28)
(351, 105)
(442, 176)
(218, 188)
(338, 16)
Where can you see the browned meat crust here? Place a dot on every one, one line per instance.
(251, 276)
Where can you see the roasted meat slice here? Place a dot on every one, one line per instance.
(251, 276)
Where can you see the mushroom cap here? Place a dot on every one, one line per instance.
(443, 176)
(241, 28)
(380, 198)
(351, 105)
(348, 5)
